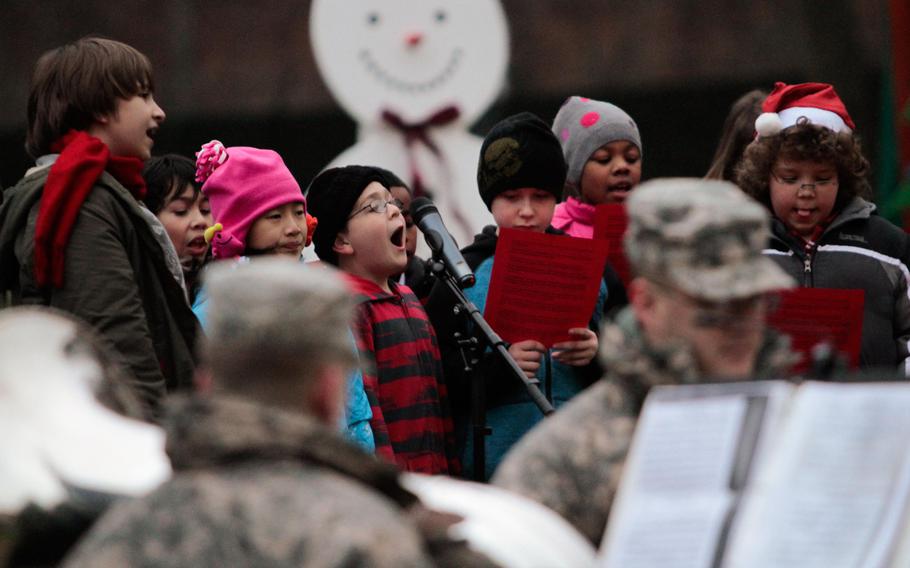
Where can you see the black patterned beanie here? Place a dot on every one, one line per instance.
(520, 151)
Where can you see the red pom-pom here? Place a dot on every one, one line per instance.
(311, 223)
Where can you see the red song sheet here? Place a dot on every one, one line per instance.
(813, 315)
(610, 222)
(542, 285)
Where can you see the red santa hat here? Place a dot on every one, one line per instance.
(818, 103)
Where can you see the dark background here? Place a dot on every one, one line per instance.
(243, 72)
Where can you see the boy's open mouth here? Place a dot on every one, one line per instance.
(397, 237)
(152, 132)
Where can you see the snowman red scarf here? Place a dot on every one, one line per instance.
(83, 158)
(419, 132)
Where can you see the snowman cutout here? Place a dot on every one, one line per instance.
(415, 76)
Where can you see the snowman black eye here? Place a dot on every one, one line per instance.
(373, 18)
(440, 16)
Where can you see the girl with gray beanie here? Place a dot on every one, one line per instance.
(602, 148)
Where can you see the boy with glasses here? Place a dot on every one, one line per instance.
(362, 232)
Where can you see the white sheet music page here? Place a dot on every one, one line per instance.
(675, 491)
(834, 492)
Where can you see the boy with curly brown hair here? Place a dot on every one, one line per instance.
(806, 166)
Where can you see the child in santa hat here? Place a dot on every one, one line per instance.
(807, 167)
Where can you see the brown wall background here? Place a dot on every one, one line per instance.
(243, 71)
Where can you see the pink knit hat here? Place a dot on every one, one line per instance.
(241, 184)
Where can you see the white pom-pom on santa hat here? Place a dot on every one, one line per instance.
(768, 124)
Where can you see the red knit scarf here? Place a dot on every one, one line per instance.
(82, 160)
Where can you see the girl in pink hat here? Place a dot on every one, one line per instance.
(258, 209)
(806, 166)
(256, 203)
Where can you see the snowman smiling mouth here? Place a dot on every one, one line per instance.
(399, 84)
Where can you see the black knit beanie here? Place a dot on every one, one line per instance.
(520, 151)
(331, 198)
(392, 180)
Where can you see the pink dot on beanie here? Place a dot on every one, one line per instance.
(589, 119)
(564, 134)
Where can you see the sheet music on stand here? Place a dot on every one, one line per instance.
(766, 474)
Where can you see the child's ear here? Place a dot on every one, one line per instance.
(342, 245)
(102, 118)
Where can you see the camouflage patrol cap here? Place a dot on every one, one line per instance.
(703, 237)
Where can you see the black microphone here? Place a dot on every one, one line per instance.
(440, 241)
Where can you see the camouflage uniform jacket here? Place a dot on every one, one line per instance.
(258, 486)
(572, 461)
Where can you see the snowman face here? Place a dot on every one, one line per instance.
(411, 57)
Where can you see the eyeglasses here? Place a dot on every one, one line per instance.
(377, 206)
(795, 182)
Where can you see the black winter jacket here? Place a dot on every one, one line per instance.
(859, 250)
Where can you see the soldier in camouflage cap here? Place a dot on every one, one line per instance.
(262, 474)
(697, 314)
(708, 244)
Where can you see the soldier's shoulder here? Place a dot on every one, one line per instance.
(588, 414)
(293, 514)
(593, 426)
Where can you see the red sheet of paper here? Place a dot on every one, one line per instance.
(610, 222)
(542, 285)
(813, 315)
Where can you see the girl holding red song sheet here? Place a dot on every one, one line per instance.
(807, 168)
(602, 147)
(520, 176)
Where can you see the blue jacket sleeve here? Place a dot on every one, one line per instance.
(357, 412)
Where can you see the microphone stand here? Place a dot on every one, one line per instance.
(471, 349)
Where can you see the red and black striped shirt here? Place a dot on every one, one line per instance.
(403, 379)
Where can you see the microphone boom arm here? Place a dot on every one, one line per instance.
(491, 338)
